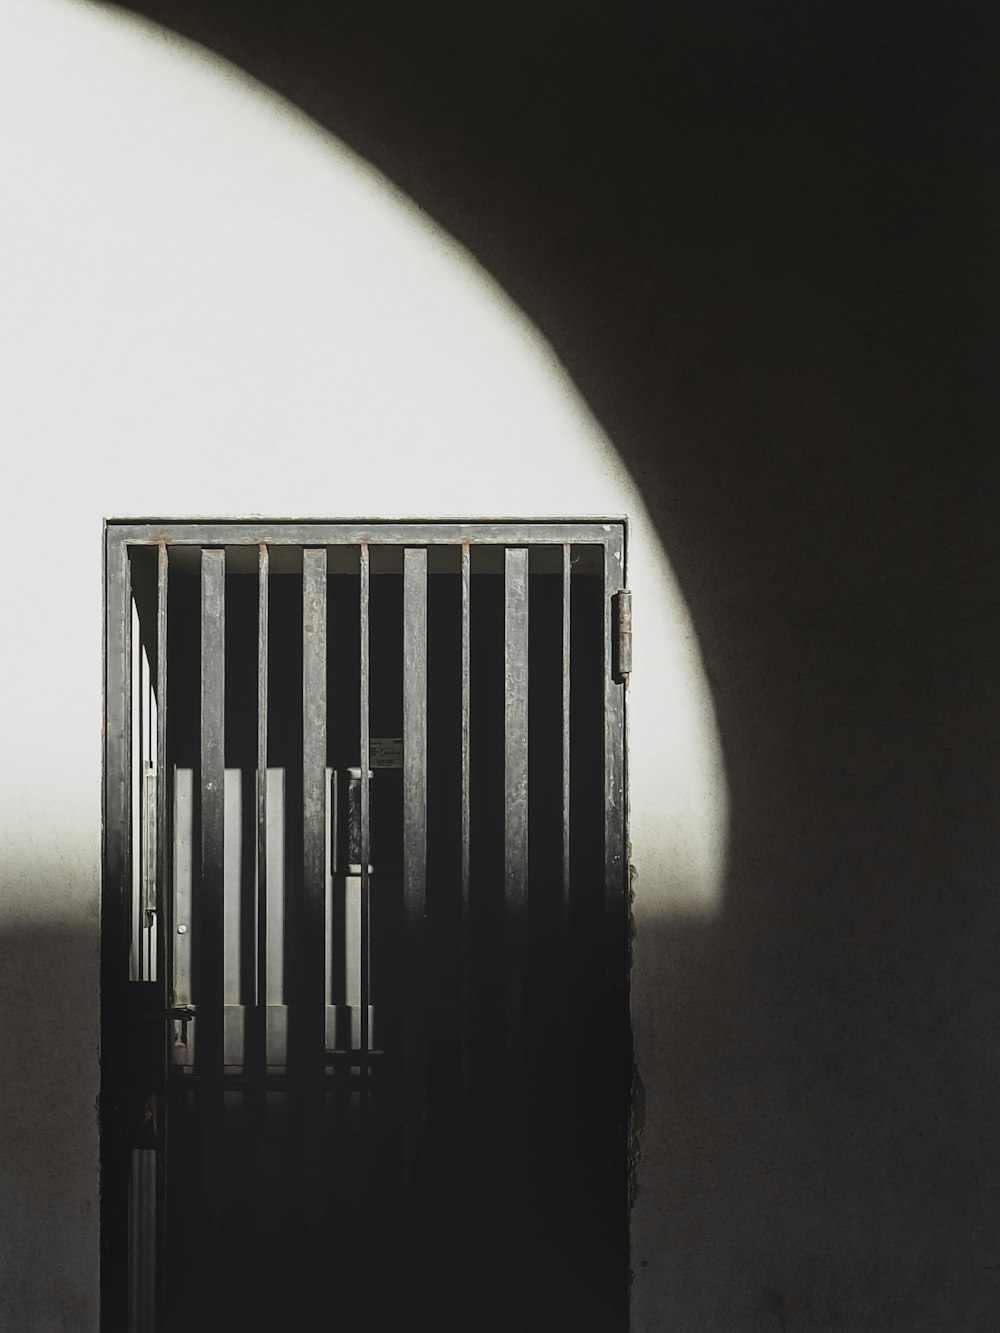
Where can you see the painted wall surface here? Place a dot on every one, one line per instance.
(762, 239)
(210, 308)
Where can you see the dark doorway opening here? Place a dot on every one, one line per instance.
(365, 990)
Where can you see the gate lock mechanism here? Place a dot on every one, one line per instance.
(183, 1014)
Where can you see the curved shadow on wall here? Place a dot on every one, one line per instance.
(758, 244)
(723, 224)
(755, 241)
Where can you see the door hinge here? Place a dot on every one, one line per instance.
(622, 615)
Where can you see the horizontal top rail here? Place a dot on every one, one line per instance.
(224, 532)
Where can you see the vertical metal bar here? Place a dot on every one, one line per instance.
(211, 888)
(614, 754)
(257, 1037)
(147, 819)
(259, 1050)
(146, 755)
(567, 584)
(135, 841)
(278, 984)
(466, 773)
(516, 905)
(144, 802)
(414, 880)
(150, 862)
(466, 925)
(184, 899)
(137, 779)
(365, 748)
(154, 921)
(516, 732)
(565, 1028)
(466, 757)
(140, 801)
(618, 1047)
(164, 909)
(314, 706)
(364, 880)
(212, 773)
(142, 1247)
(116, 927)
(311, 1020)
(164, 899)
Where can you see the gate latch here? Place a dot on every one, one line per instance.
(182, 1014)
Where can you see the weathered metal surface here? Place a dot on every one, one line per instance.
(617, 1040)
(210, 995)
(314, 715)
(515, 649)
(182, 898)
(164, 899)
(211, 885)
(514, 533)
(164, 912)
(116, 923)
(310, 1010)
(516, 733)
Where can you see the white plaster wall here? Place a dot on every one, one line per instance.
(210, 308)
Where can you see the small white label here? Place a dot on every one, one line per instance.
(386, 751)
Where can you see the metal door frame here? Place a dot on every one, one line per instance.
(122, 1007)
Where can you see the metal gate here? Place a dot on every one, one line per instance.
(365, 1036)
